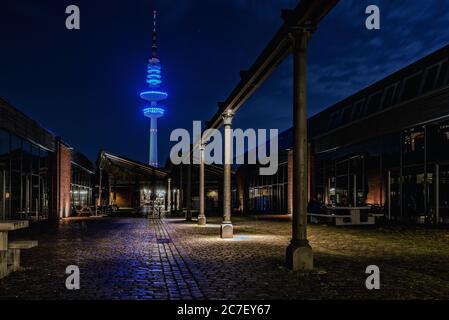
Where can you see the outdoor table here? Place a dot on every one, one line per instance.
(5, 227)
(349, 215)
(9, 225)
(355, 216)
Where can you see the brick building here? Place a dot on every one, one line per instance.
(41, 176)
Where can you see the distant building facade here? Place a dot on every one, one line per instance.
(213, 188)
(128, 184)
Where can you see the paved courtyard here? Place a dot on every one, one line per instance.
(174, 259)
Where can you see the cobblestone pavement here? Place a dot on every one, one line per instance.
(174, 259)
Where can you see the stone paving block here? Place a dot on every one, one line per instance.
(123, 259)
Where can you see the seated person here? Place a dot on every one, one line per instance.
(344, 202)
(314, 206)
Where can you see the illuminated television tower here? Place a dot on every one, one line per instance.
(154, 96)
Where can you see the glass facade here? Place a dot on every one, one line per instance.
(405, 174)
(341, 181)
(268, 193)
(24, 178)
(402, 166)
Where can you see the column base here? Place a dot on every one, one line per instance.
(202, 220)
(300, 256)
(227, 230)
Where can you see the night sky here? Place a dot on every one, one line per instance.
(84, 85)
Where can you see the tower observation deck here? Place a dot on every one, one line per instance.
(154, 96)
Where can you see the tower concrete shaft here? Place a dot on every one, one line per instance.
(154, 161)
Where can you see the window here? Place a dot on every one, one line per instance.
(358, 110)
(414, 141)
(430, 78)
(443, 75)
(43, 161)
(81, 186)
(389, 96)
(35, 159)
(346, 117)
(334, 120)
(4, 143)
(4, 175)
(268, 194)
(28, 187)
(16, 153)
(26, 156)
(35, 194)
(15, 192)
(4, 150)
(411, 87)
(374, 103)
(344, 181)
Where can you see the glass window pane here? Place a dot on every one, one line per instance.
(26, 156)
(16, 153)
(411, 87)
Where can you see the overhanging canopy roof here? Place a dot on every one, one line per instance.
(127, 169)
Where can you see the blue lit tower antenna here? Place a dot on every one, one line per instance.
(154, 95)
